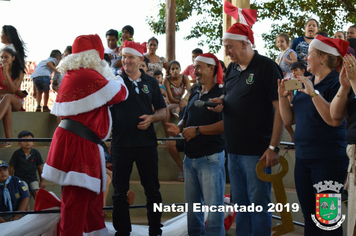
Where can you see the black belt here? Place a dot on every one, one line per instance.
(82, 131)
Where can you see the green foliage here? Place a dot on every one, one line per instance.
(208, 30)
(288, 16)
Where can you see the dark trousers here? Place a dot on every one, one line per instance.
(309, 172)
(146, 159)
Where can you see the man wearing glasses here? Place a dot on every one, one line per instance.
(134, 140)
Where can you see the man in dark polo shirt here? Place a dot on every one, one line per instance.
(253, 126)
(203, 165)
(134, 140)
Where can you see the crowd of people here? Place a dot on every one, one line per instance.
(245, 107)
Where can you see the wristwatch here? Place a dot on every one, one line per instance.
(314, 93)
(197, 131)
(273, 148)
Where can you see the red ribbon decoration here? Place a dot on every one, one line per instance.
(246, 16)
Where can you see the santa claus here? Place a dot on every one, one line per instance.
(74, 160)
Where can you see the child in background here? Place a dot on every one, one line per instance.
(25, 161)
(287, 56)
(57, 78)
(176, 84)
(297, 69)
(159, 77)
(189, 71)
(13, 194)
(144, 64)
(42, 78)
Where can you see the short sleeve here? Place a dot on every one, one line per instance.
(186, 71)
(164, 60)
(54, 60)
(39, 160)
(158, 101)
(275, 73)
(13, 159)
(293, 45)
(22, 189)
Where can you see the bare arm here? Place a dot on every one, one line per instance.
(271, 157)
(187, 86)
(12, 85)
(23, 207)
(212, 129)
(148, 119)
(347, 78)
(338, 106)
(42, 183)
(285, 109)
(51, 66)
(293, 58)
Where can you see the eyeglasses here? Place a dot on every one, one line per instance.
(134, 83)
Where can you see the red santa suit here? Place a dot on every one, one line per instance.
(73, 161)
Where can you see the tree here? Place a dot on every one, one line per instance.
(208, 30)
(288, 16)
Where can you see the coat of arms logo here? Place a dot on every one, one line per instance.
(328, 205)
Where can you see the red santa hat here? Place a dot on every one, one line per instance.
(84, 88)
(211, 59)
(240, 32)
(336, 47)
(134, 48)
(85, 43)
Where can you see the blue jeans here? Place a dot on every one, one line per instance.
(247, 188)
(42, 83)
(205, 183)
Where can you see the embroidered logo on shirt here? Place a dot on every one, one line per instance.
(250, 79)
(145, 89)
(24, 188)
(17, 195)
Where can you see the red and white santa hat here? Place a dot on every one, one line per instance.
(336, 47)
(240, 32)
(86, 43)
(137, 49)
(211, 59)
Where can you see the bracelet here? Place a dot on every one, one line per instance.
(184, 99)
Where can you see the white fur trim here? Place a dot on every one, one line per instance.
(132, 51)
(71, 178)
(324, 47)
(89, 59)
(103, 168)
(206, 60)
(110, 125)
(89, 102)
(100, 232)
(237, 37)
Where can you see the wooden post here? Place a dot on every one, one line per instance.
(228, 20)
(170, 30)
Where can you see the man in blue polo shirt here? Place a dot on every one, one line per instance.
(203, 165)
(13, 194)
